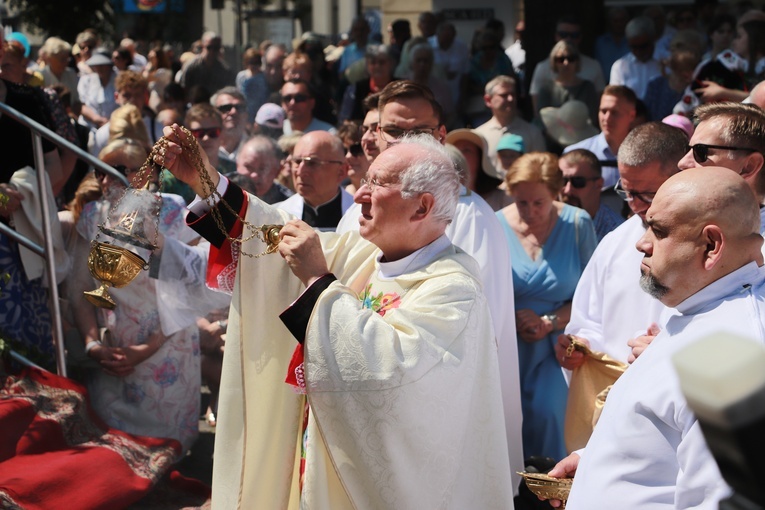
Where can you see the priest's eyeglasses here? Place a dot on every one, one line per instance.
(373, 183)
(629, 196)
(312, 162)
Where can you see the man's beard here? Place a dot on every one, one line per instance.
(652, 286)
(572, 200)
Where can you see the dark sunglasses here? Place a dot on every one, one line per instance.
(355, 150)
(568, 35)
(578, 182)
(569, 58)
(201, 132)
(641, 46)
(701, 150)
(120, 168)
(298, 98)
(225, 108)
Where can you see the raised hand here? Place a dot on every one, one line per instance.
(181, 155)
(299, 245)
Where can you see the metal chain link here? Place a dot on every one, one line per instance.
(263, 232)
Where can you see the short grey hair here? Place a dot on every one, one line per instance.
(264, 147)
(641, 25)
(433, 173)
(499, 80)
(227, 91)
(653, 142)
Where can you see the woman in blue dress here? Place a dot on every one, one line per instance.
(550, 244)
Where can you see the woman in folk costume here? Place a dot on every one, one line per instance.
(396, 356)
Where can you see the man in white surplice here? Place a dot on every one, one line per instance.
(609, 310)
(701, 259)
(396, 355)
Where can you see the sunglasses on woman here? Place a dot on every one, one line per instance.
(569, 58)
(355, 150)
(201, 132)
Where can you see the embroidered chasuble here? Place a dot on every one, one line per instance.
(403, 386)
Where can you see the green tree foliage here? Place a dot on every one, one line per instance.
(65, 19)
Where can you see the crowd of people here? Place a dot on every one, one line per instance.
(451, 236)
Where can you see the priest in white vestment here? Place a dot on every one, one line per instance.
(397, 357)
(702, 259)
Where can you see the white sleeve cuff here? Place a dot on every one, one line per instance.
(201, 206)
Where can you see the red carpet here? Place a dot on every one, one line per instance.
(56, 453)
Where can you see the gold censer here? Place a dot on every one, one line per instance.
(115, 266)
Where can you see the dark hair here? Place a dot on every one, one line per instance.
(125, 55)
(173, 92)
(720, 20)
(407, 89)
(580, 156)
(298, 81)
(568, 19)
(349, 130)
(622, 92)
(755, 29)
(370, 102)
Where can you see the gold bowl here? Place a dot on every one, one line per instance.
(271, 237)
(113, 266)
(548, 487)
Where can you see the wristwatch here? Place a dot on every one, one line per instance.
(553, 318)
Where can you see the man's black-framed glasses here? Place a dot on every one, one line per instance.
(629, 196)
(578, 182)
(701, 150)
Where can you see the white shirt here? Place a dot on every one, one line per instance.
(647, 450)
(517, 55)
(96, 96)
(454, 60)
(629, 71)
(101, 137)
(477, 231)
(609, 307)
(590, 70)
(492, 131)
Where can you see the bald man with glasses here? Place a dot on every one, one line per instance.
(318, 167)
